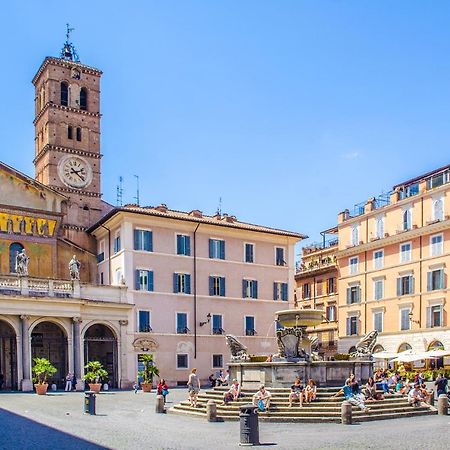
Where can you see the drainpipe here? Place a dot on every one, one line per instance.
(195, 290)
(109, 253)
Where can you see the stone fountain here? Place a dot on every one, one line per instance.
(297, 358)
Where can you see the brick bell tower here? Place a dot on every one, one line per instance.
(67, 139)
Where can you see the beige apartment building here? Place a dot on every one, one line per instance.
(194, 278)
(394, 260)
(316, 288)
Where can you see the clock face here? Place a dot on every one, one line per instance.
(75, 171)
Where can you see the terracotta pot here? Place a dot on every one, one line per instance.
(146, 387)
(95, 387)
(41, 389)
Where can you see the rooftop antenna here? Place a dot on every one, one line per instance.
(68, 51)
(137, 190)
(119, 196)
(219, 208)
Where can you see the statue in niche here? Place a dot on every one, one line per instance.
(23, 226)
(10, 225)
(22, 261)
(34, 227)
(74, 268)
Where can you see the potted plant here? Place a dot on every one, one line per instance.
(94, 375)
(42, 369)
(148, 372)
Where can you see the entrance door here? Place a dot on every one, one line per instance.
(49, 341)
(8, 357)
(100, 344)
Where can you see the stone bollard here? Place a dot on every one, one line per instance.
(211, 411)
(249, 426)
(432, 399)
(442, 405)
(159, 406)
(346, 413)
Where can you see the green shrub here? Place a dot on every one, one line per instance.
(95, 372)
(42, 369)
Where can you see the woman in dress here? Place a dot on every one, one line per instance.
(193, 387)
(310, 391)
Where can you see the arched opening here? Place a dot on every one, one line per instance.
(64, 94)
(403, 347)
(69, 132)
(49, 341)
(378, 363)
(436, 363)
(8, 357)
(100, 344)
(14, 248)
(378, 348)
(352, 349)
(78, 134)
(83, 99)
(438, 210)
(407, 219)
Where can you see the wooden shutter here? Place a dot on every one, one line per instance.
(148, 241)
(275, 291)
(284, 292)
(188, 245)
(150, 280)
(211, 285)
(137, 284)
(136, 240)
(175, 283)
(244, 288)
(188, 283)
(222, 286)
(428, 316)
(255, 289)
(211, 248)
(429, 281)
(399, 286)
(349, 296)
(222, 249)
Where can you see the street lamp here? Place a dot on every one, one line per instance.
(410, 315)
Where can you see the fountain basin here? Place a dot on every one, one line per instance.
(300, 317)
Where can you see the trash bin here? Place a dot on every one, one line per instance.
(89, 403)
(248, 417)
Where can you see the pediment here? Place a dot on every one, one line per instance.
(21, 191)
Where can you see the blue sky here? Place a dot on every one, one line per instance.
(290, 111)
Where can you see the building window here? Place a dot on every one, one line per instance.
(249, 289)
(435, 316)
(217, 361)
(352, 325)
(183, 245)
(378, 259)
(279, 256)
(405, 252)
(331, 313)
(280, 291)
(101, 279)
(64, 94)
(249, 250)
(353, 294)
(331, 285)
(319, 287)
(380, 227)
(182, 361)
(144, 322)
(437, 245)
(181, 283)
(435, 280)
(405, 285)
(250, 326)
(83, 99)
(438, 209)
(117, 243)
(69, 132)
(119, 277)
(378, 321)
(101, 252)
(405, 323)
(79, 134)
(378, 289)
(14, 248)
(217, 324)
(144, 280)
(306, 291)
(355, 235)
(407, 219)
(217, 249)
(217, 286)
(353, 264)
(182, 327)
(143, 240)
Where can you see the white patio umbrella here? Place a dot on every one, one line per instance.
(408, 356)
(436, 354)
(385, 355)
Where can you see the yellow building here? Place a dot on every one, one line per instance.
(316, 287)
(393, 259)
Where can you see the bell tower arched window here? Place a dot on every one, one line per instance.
(69, 132)
(83, 99)
(14, 248)
(64, 94)
(78, 134)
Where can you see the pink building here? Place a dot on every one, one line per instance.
(194, 278)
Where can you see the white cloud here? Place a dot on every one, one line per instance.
(350, 155)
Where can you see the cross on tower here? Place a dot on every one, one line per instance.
(68, 51)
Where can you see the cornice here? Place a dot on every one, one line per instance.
(73, 151)
(77, 191)
(64, 108)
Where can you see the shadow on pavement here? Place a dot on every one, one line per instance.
(18, 432)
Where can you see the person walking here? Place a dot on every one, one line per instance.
(441, 384)
(193, 387)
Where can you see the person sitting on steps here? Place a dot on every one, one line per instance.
(262, 399)
(297, 392)
(354, 399)
(233, 393)
(310, 391)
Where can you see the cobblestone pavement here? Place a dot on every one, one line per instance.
(126, 420)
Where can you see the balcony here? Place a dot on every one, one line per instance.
(316, 264)
(218, 331)
(250, 332)
(183, 330)
(14, 285)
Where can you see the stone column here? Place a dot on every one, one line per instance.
(124, 383)
(76, 339)
(27, 383)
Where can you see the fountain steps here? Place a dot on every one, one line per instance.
(324, 409)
